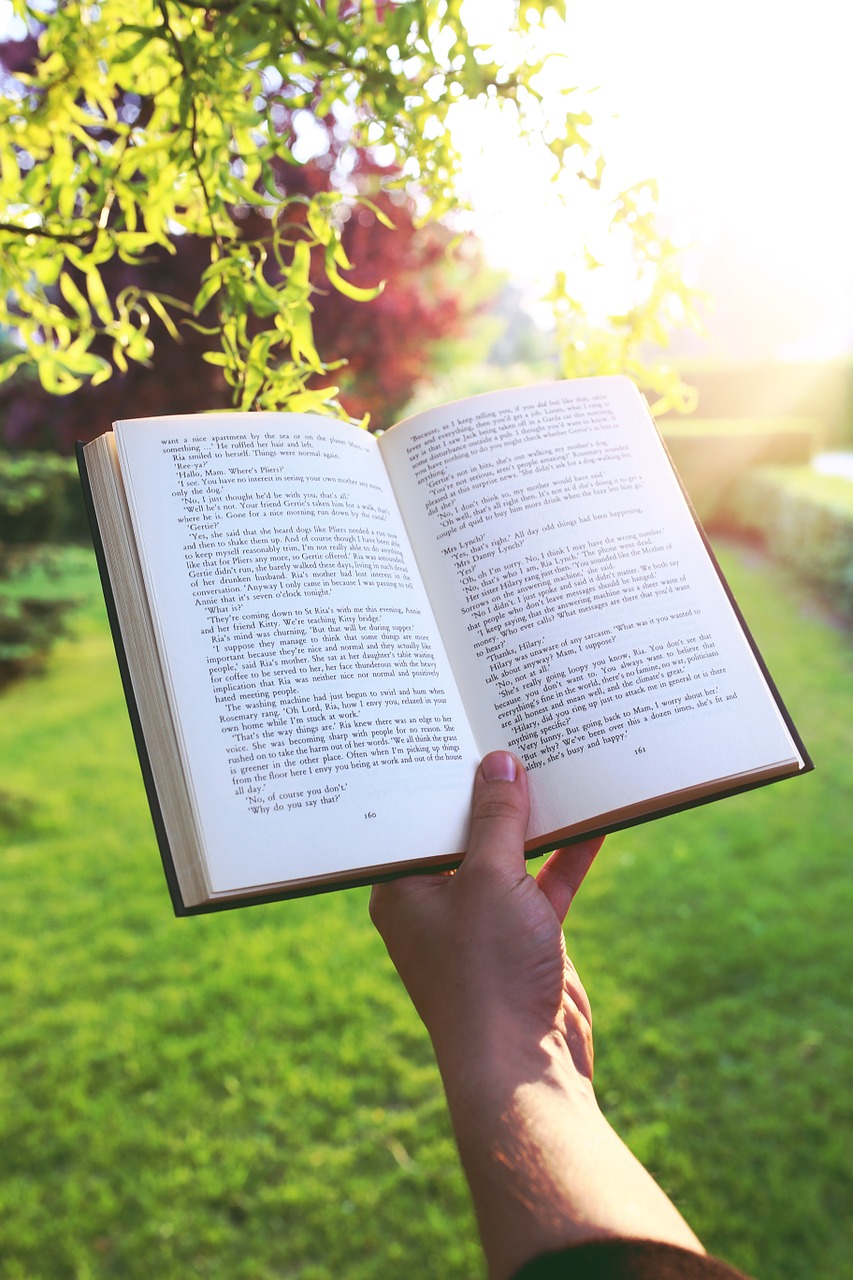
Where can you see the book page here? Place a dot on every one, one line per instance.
(319, 722)
(587, 626)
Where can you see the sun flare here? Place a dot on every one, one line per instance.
(741, 110)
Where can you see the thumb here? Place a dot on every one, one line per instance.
(499, 816)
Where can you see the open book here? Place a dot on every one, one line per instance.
(321, 632)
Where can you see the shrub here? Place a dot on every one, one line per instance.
(39, 503)
(39, 499)
(28, 628)
(805, 519)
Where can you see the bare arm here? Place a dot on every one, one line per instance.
(483, 957)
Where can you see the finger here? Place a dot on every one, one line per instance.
(563, 873)
(499, 816)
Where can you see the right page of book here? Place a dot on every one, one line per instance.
(587, 624)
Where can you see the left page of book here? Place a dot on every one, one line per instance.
(319, 724)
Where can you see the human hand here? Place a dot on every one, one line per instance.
(481, 952)
(482, 955)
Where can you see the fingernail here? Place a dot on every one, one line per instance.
(499, 766)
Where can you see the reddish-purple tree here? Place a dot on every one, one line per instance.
(386, 343)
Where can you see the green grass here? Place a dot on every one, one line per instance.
(249, 1095)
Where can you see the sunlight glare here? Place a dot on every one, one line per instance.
(742, 110)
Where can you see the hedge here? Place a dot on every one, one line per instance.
(711, 453)
(805, 519)
(777, 389)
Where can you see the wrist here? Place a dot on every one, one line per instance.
(520, 1117)
(500, 1090)
(489, 1049)
(544, 1167)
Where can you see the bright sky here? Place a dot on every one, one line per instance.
(743, 109)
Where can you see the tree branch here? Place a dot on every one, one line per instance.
(43, 233)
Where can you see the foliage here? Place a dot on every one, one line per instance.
(251, 1095)
(119, 134)
(127, 133)
(29, 627)
(805, 519)
(35, 497)
(661, 301)
(433, 284)
(35, 506)
(33, 611)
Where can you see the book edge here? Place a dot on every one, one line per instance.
(178, 903)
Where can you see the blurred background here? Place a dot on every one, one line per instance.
(249, 1094)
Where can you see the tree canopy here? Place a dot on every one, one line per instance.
(123, 131)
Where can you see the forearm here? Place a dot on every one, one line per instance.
(544, 1166)
(482, 955)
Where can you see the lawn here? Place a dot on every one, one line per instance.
(248, 1095)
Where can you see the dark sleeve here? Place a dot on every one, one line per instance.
(626, 1260)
